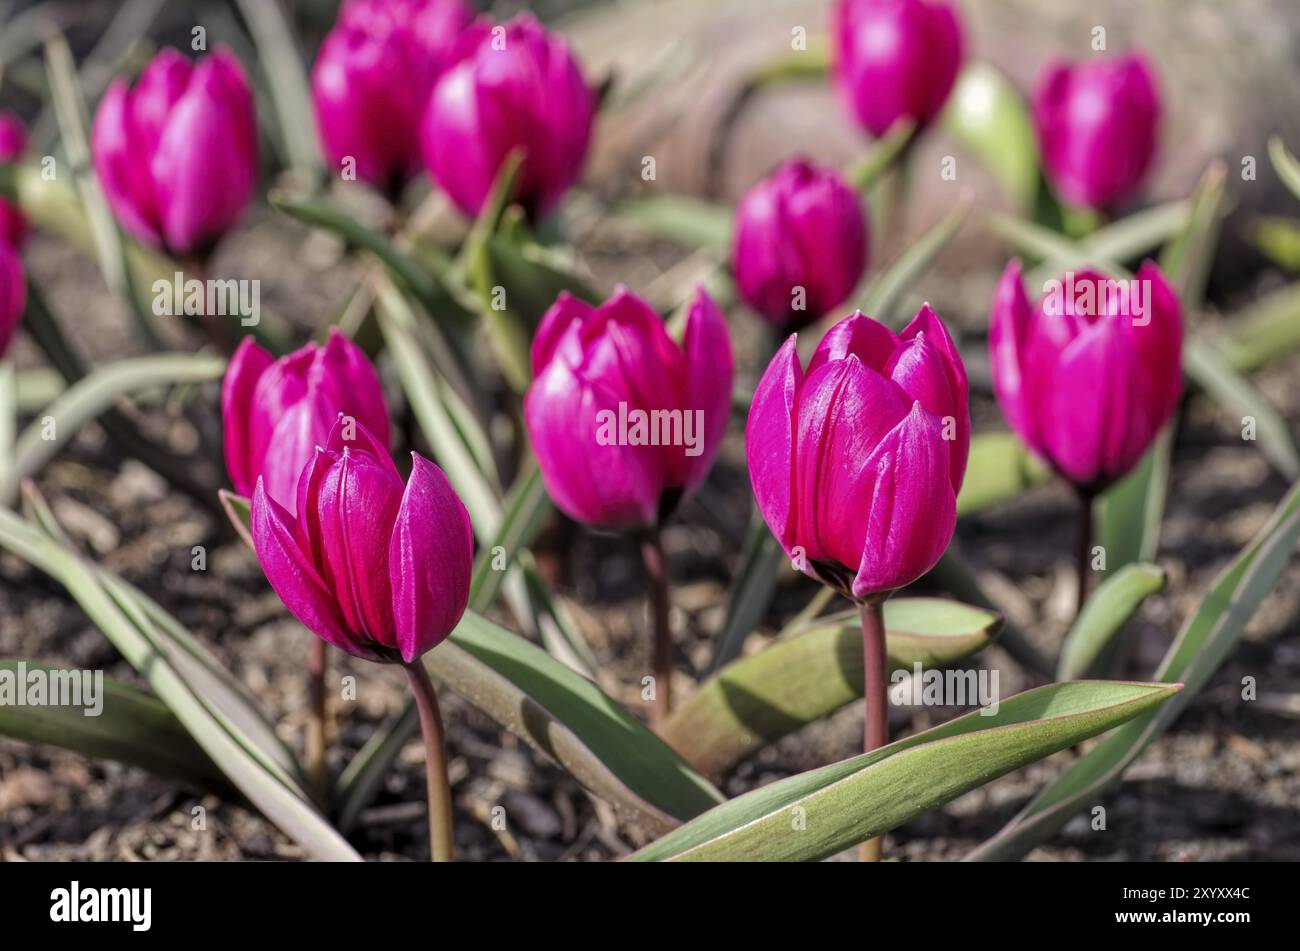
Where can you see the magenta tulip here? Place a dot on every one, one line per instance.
(1089, 374)
(13, 143)
(856, 463)
(276, 412)
(1097, 127)
(372, 81)
(177, 154)
(624, 421)
(376, 568)
(13, 294)
(516, 87)
(800, 243)
(895, 59)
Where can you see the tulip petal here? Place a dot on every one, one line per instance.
(125, 179)
(769, 439)
(13, 294)
(237, 408)
(560, 318)
(911, 505)
(429, 558)
(294, 578)
(343, 378)
(709, 372)
(929, 369)
(1009, 330)
(869, 340)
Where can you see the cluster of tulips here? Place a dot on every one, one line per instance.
(856, 449)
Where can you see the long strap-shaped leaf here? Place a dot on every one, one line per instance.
(819, 813)
(1200, 648)
(219, 719)
(132, 727)
(1094, 635)
(812, 673)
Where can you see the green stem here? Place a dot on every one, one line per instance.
(656, 567)
(875, 699)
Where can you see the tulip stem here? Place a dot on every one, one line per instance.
(1084, 553)
(441, 839)
(316, 745)
(656, 567)
(876, 701)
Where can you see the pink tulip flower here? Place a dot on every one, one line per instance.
(13, 143)
(276, 412)
(514, 86)
(895, 59)
(372, 81)
(374, 567)
(13, 294)
(1097, 127)
(624, 421)
(800, 244)
(177, 154)
(856, 463)
(1088, 375)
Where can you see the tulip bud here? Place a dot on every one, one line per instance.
(800, 243)
(13, 294)
(895, 59)
(372, 81)
(177, 154)
(376, 568)
(1097, 125)
(856, 463)
(516, 87)
(13, 143)
(276, 412)
(1089, 375)
(624, 421)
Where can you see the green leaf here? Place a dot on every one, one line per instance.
(866, 796)
(132, 727)
(812, 673)
(1132, 509)
(884, 295)
(287, 78)
(1234, 393)
(205, 699)
(884, 155)
(435, 297)
(92, 396)
(1186, 260)
(690, 222)
(1201, 646)
(752, 588)
(1268, 330)
(1286, 164)
(1279, 239)
(1124, 240)
(526, 510)
(1093, 636)
(988, 116)
(1000, 468)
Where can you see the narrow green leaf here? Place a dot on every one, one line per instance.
(1286, 164)
(886, 152)
(884, 295)
(131, 727)
(94, 394)
(1238, 397)
(1279, 239)
(866, 796)
(1132, 509)
(1186, 260)
(1268, 330)
(1000, 468)
(1124, 240)
(1094, 634)
(526, 509)
(802, 678)
(752, 589)
(988, 116)
(1201, 646)
(690, 222)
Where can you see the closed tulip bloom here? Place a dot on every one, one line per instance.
(1088, 375)
(624, 421)
(177, 154)
(375, 567)
(516, 87)
(856, 463)
(13, 143)
(1097, 126)
(895, 59)
(372, 80)
(13, 294)
(800, 243)
(276, 412)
